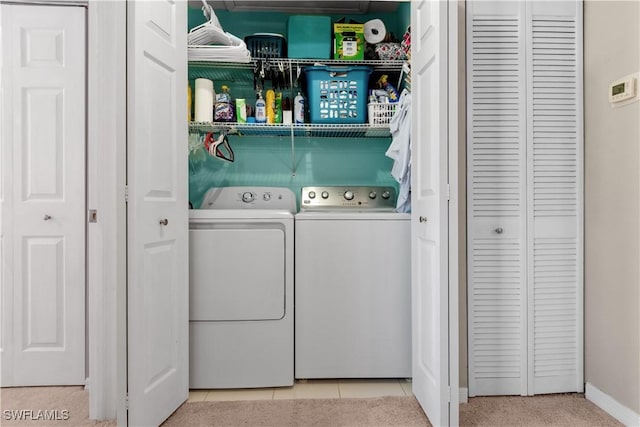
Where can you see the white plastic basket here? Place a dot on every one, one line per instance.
(380, 114)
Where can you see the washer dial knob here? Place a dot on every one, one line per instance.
(348, 195)
(386, 194)
(248, 197)
(266, 197)
(373, 195)
(312, 194)
(325, 194)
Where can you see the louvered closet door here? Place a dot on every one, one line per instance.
(525, 197)
(554, 152)
(497, 197)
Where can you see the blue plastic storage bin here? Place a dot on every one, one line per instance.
(309, 36)
(337, 95)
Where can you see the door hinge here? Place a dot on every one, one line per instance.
(448, 192)
(126, 194)
(126, 401)
(449, 394)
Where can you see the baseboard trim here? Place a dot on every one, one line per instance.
(611, 406)
(463, 394)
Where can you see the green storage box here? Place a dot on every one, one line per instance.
(309, 36)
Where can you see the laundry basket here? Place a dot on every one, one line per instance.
(337, 95)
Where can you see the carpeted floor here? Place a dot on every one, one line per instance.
(547, 410)
(543, 410)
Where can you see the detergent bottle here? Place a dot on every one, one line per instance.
(392, 93)
(223, 110)
(270, 101)
(298, 108)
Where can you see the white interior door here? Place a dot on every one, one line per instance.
(43, 195)
(525, 197)
(496, 202)
(434, 341)
(158, 279)
(554, 196)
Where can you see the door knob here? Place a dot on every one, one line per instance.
(47, 217)
(499, 230)
(423, 219)
(164, 221)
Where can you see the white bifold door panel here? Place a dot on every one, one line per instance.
(42, 161)
(157, 211)
(434, 338)
(524, 111)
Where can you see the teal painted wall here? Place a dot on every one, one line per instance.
(403, 16)
(267, 161)
(242, 24)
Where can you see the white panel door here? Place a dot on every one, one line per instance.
(430, 225)
(496, 203)
(158, 275)
(43, 195)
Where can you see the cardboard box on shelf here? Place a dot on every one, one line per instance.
(348, 41)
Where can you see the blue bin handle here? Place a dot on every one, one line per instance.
(338, 71)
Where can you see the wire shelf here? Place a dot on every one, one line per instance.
(378, 64)
(241, 72)
(296, 130)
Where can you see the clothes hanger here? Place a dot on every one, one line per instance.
(220, 147)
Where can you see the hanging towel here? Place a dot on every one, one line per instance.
(400, 150)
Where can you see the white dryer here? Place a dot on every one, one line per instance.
(241, 288)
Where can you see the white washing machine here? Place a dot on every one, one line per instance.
(241, 288)
(353, 284)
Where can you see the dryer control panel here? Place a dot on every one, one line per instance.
(343, 197)
(249, 198)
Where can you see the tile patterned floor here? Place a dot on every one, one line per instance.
(311, 389)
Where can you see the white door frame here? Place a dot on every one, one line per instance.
(106, 257)
(106, 177)
(454, 195)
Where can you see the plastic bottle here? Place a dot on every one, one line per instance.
(270, 100)
(188, 102)
(261, 113)
(287, 114)
(278, 115)
(298, 108)
(223, 111)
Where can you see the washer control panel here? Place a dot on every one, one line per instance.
(339, 197)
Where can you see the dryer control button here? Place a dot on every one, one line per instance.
(266, 197)
(348, 195)
(325, 194)
(312, 194)
(386, 195)
(248, 197)
(373, 195)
